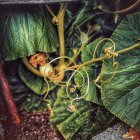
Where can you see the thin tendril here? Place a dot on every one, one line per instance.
(50, 11)
(61, 57)
(66, 71)
(59, 72)
(97, 46)
(71, 107)
(67, 83)
(77, 98)
(46, 94)
(109, 53)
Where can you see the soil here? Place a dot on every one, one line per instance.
(34, 126)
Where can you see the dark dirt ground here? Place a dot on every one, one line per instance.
(34, 126)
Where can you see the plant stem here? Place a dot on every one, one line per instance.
(50, 11)
(129, 48)
(7, 97)
(59, 19)
(86, 63)
(75, 56)
(60, 27)
(30, 67)
(103, 58)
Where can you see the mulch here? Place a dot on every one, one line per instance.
(34, 126)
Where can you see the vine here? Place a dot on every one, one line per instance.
(57, 74)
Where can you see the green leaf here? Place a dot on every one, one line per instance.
(32, 102)
(27, 30)
(98, 120)
(121, 95)
(68, 18)
(51, 98)
(35, 83)
(82, 121)
(92, 94)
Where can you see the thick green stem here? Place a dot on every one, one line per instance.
(60, 25)
(59, 21)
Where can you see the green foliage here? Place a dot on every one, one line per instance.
(85, 121)
(35, 83)
(121, 95)
(92, 94)
(87, 53)
(88, 12)
(27, 30)
(89, 50)
(32, 103)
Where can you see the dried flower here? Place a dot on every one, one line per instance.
(72, 108)
(38, 59)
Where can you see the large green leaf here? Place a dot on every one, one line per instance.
(35, 83)
(121, 95)
(92, 95)
(83, 122)
(98, 120)
(27, 29)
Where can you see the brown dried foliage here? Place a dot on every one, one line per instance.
(38, 59)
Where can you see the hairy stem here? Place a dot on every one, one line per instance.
(59, 21)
